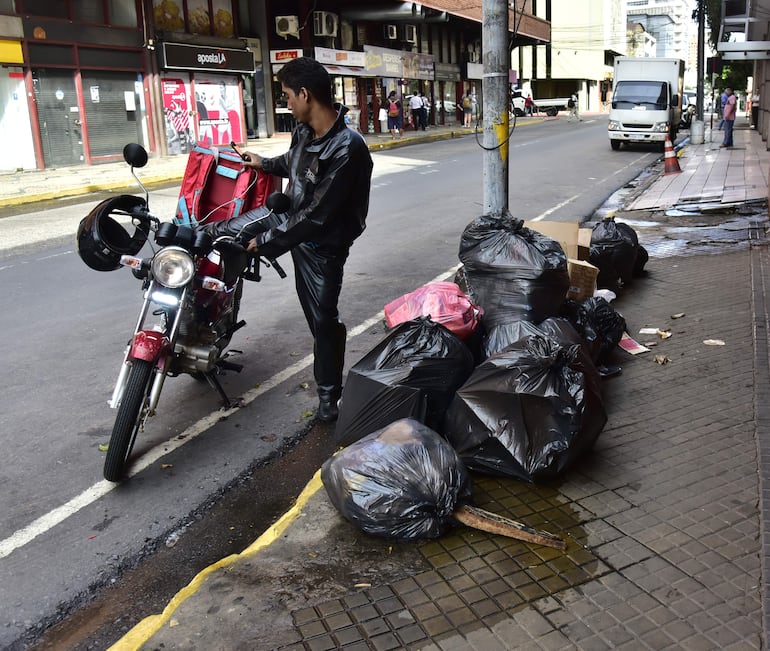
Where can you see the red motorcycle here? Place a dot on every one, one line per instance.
(192, 284)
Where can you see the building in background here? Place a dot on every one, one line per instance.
(586, 36)
(672, 25)
(73, 84)
(81, 78)
(640, 42)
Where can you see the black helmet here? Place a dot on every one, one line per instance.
(101, 239)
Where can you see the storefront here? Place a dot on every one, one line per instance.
(448, 89)
(202, 94)
(86, 99)
(18, 151)
(352, 86)
(402, 71)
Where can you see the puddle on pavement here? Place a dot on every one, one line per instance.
(698, 232)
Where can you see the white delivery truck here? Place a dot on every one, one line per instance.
(646, 100)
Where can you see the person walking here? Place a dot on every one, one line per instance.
(425, 111)
(572, 105)
(528, 104)
(467, 109)
(722, 101)
(415, 108)
(395, 124)
(728, 117)
(329, 170)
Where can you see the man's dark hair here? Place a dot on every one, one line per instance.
(305, 72)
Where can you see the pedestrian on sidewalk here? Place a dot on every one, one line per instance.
(395, 124)
(330, 171)
(415, 107)
(528, 104)
(722, 101)
(425, 111)
(572, 105)
(728, 117)
(467, 109)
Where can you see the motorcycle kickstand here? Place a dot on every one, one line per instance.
(214, 383)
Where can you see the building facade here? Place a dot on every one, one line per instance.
(81, 78)
(586, 35)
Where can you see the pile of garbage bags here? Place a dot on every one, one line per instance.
(505, 378)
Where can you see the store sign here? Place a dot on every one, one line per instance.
(284, 56)
(340, 57)
(179, 56)
(448, 72)
(398, 64)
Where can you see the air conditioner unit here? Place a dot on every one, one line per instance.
(324, 23)
(391, 32)
(287, 26)
(410, 34)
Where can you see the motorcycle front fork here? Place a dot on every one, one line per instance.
(159, 358)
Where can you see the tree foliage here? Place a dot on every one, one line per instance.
(734, 73)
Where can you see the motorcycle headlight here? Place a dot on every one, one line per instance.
(173, 267)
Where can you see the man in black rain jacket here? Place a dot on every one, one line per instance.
(329, 170)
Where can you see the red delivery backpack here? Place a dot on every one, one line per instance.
(443, 302)
(216, 186)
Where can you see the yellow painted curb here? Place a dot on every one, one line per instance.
(150, 625)
(83, 190)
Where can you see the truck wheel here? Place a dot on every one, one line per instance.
(518, 113)
(551, 111)
(615, 144)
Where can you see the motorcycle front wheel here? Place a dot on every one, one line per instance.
(127, 420)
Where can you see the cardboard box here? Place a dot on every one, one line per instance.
(565, 233)
(582, 279)
(584, 243)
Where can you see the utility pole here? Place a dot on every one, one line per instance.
(699, 67)
(495, 92)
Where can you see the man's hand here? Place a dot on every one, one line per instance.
(252, 160)
(252, 247)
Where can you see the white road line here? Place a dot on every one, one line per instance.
(545, 214)
(58, 515)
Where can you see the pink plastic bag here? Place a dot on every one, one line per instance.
(443, 302)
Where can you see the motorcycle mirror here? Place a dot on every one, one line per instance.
(135, 155)
(278, 202)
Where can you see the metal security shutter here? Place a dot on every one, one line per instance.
(110, 122)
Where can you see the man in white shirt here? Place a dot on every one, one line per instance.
(415, 106)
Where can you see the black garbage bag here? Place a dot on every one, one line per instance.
(527, 412)
(414, 372)
(564, 332)
(597, 322)
(614, 248)
(513, 273)
(403, 481)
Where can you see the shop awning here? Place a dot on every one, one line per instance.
(347, 71)
(337, 71)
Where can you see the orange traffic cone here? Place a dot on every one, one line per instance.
(671, 161)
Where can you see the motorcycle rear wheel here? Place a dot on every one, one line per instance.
(127, 420)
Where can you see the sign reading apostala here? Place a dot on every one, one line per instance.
(181, 56)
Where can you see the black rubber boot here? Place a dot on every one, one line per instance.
(329, 360)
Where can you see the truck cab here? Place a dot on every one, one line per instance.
(646, 106)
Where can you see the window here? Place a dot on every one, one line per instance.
(122, 13)
(45, 8)
(88, 11)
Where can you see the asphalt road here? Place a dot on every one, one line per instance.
(66, 535)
